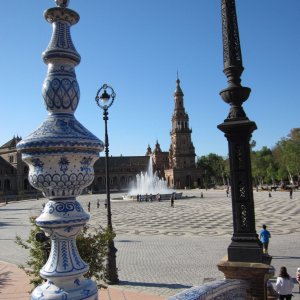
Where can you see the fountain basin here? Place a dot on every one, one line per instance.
(143, 197)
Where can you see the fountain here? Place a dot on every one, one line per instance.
(149, 183)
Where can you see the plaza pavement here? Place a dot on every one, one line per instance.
(164, 250)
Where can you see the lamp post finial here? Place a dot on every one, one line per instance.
(62, 3)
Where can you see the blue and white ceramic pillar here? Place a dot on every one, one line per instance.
(61, 154)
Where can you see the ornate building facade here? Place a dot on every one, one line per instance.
(13, 172)
(177, 165)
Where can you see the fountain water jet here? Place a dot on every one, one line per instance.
(149, 183)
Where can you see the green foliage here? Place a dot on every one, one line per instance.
(269, 166)
(215, 169)
(92, 246)
(36, 255)
(287, 155)
(263, 166)
(280, 163)
(91, 243)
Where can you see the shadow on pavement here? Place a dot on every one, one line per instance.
(286, 257)
(2, 224)
(127, 241)
(14, 209)
(4, 279)
(157, 285)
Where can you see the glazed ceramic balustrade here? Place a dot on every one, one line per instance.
(60, 155)
(216, 290)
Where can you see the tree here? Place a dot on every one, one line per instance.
(215, 169)
(263, 167)
(287, 155)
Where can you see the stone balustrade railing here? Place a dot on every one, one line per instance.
(216, 290)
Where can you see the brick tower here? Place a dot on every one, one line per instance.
(183, 172)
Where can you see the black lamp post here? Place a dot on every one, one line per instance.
(245, 245)
(106, 102)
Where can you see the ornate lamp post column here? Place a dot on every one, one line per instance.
(245, 245)
(61, 154)
(245, 258)
(111, 272)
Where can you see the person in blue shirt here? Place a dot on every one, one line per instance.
(264, 237)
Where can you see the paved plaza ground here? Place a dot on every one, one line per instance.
(164, 250)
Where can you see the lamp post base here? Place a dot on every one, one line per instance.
(111, 265)
(248, 251)
(256, 274)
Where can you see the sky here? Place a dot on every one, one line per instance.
(137, 47)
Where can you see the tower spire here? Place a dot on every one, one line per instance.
(182, 149)
(178, 90)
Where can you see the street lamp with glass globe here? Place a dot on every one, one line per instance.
(105, 100)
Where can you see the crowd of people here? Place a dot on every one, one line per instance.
(148, 198)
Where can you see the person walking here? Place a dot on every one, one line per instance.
(105, 203)
(264, 237)
(284, 285)
(98, 203)
(172, 200)
(291, 193)
(89, 206)
(298, 277)
(158, 197)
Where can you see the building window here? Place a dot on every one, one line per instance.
(123, 180)
(26, 184)
(6, 185)
(11, 158)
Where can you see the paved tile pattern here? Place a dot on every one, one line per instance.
(195, 216)
(10, 277)
(164, 250)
